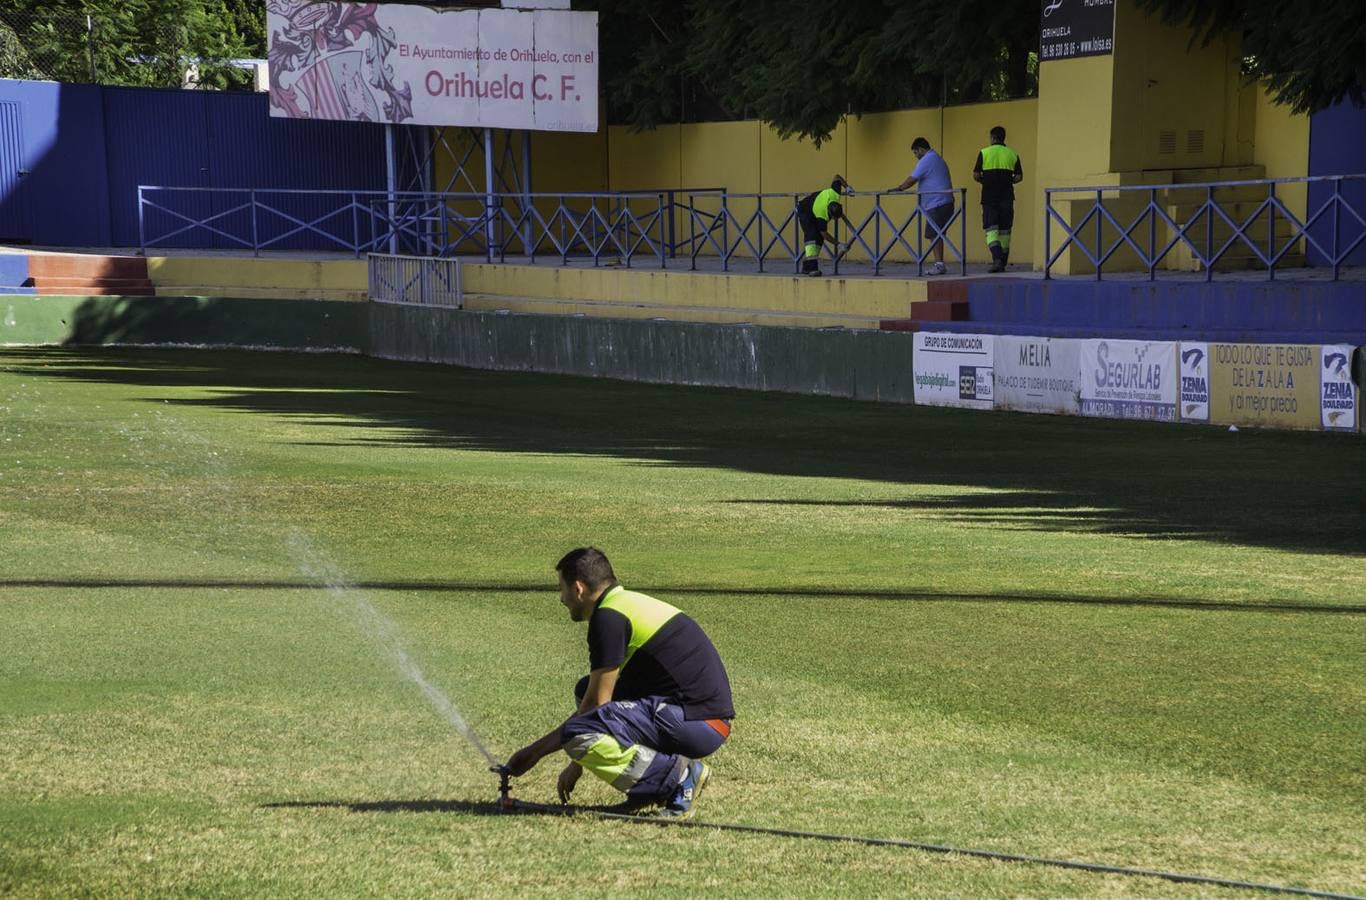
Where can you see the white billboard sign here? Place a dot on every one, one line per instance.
(389, 62)
(1338, 404)
(1129, 379)
(953, 369)
(1035, 374)
(1194, 398)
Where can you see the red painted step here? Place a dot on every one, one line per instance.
(940, 310)
(82, 275)
(73, 265)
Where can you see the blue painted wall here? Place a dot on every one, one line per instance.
(1337, 146)
(66, 195)
(1307, 312)
(89, 147)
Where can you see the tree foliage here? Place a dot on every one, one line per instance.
(1312, 53)
(802, 65)
(136, 42)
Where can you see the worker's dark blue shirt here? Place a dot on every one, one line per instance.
(662, 652)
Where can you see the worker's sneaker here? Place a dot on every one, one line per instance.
(814, 273)
(997, 266)
(936, 269)
(684, 801)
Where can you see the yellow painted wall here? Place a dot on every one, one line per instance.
(1166, 84)
(569, 162)
(799, 166)
(225, 276)
(879, 146)
(967, 131)
(645, 160)
(718, 155)
(1072, 148)
(1282, 146)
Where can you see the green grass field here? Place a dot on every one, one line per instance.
(1130, 644)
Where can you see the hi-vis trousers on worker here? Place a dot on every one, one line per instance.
(998, 217)
(641, 747)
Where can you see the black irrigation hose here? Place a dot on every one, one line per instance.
(515, 805)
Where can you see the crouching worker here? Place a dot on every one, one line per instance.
(815, 212)
(656, 700)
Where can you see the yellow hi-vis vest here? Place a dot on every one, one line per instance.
(646, 615)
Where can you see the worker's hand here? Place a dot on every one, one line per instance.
(568, 778)
(523, 760)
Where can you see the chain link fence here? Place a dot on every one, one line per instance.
(124, 49)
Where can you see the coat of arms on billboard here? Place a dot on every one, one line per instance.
(329, 61)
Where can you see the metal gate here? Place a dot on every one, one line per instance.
(15, 224)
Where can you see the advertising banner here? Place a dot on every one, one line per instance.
(1271, 385)
(1037, 374)
(1193, 404)
(389, 62)
(1073, 28)
(1129, 380)
(953, 369)
(1338, 405)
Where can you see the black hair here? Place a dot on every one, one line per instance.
(838, 185)
(920, 144)
(586, 564)
(835, 209)
(998, 134)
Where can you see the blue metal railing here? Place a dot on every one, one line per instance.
(255, 219)
(626, 225)
(755, 227)
(1264, 233)
(630, 226)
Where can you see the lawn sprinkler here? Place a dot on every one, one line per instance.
(505, 801)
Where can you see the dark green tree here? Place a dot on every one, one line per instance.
(134, 42)
(804, 65)
(1312, 53)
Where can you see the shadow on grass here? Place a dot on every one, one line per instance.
(468, 807)
(1282, 490)
(665, 590)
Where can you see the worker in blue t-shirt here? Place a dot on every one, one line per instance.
(656, 700)
(935, 186)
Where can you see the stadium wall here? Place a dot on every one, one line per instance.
(88, 148)
(863, 365)
(1205, 378)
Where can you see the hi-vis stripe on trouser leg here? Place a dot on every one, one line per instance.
(619, 766)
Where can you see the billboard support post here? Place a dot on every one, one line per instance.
(390, 184)
(488, 192)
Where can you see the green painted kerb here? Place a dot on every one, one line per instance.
(865, 365)
(27, 320)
